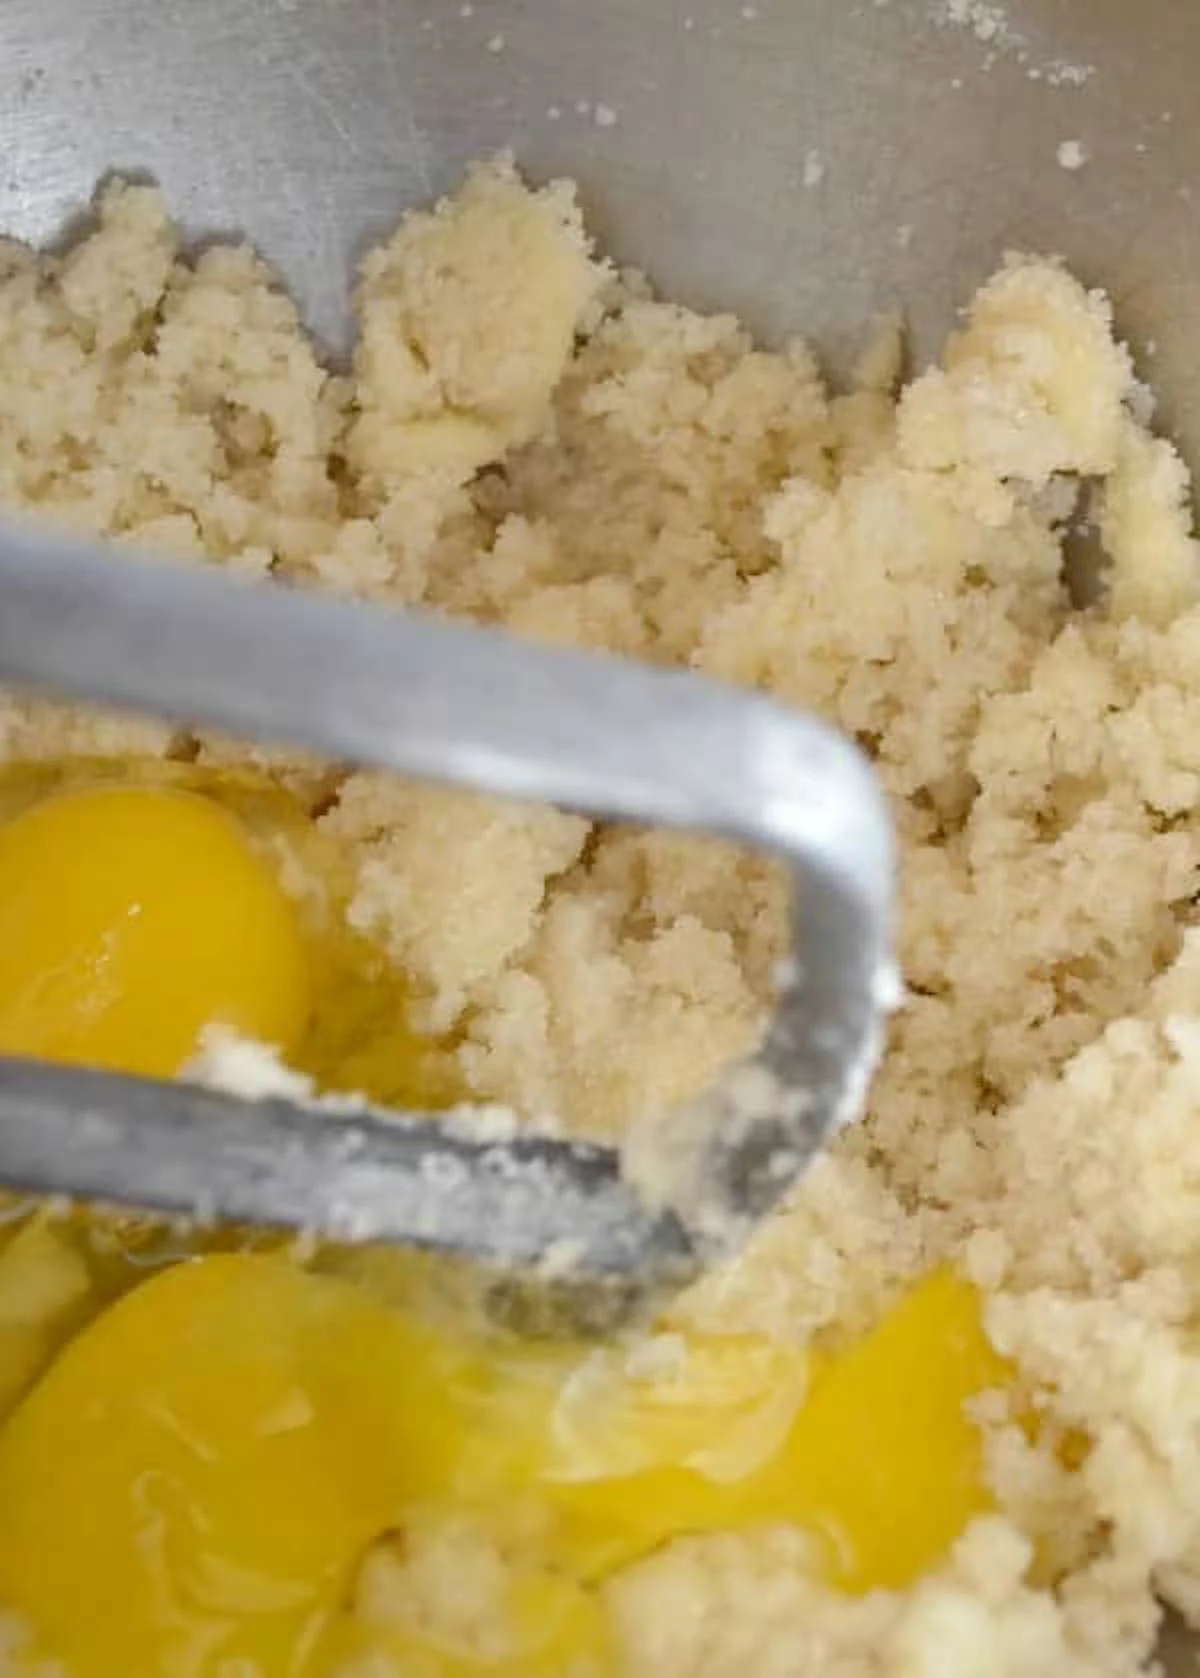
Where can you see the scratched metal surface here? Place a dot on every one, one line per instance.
(309, 124)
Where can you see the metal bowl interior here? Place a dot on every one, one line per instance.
(927, 131)
(803, 162)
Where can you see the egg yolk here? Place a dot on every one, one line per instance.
(133, 917)
(193, 1485)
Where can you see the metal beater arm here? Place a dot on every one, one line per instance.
(444, 701)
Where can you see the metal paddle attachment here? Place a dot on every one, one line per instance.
(610, 739)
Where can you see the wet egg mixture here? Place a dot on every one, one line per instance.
(253, 1439)
(943, 1412)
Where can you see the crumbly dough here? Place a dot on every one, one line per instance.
(529, 438)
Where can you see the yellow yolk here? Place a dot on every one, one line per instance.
(880, 1463)
(194, 1484)
(887, 1462)
(133, 917)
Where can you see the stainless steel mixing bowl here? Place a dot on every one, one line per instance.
(927, 131)
(805, 162)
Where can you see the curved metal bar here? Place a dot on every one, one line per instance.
(445, 701)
